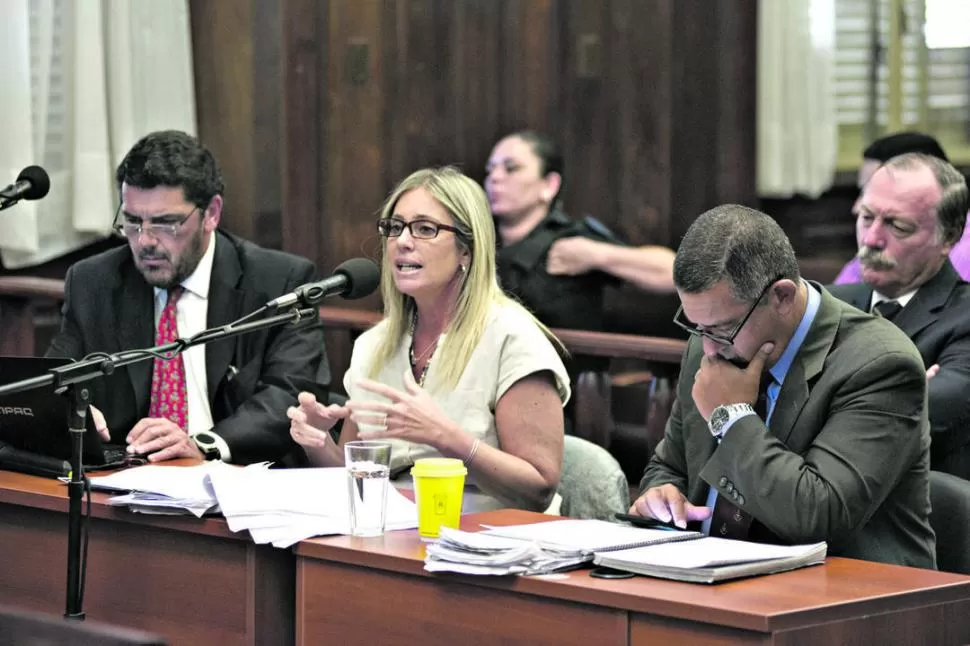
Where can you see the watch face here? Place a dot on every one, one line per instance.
(718, 418)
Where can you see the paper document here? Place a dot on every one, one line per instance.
(483, 553)
(588, 536)
(285, 506)
(711, 559)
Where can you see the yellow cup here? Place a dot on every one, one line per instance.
(438, 487)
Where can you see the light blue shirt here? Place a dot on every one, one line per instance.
(778, 373)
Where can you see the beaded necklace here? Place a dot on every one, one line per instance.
(414, 360)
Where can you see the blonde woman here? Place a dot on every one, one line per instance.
(455, 368)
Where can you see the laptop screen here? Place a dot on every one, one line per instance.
(36, 420)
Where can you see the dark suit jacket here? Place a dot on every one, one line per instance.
(937, 319)
(846, 459)
(109, 307)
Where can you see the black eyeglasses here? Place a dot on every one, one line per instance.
(163, 226)
(420, 228)
(722, 339)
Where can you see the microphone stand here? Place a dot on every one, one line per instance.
(69, 380)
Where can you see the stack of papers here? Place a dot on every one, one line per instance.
(278, 506)
(285, 506)
(157, 489)
(482, 553)
(546, 547)
(537, 548)
(712, 559)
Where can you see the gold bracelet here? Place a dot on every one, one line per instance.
(471, 454)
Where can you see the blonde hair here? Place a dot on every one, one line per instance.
(478, 290)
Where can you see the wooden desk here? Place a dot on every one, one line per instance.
(375, 591)
(192, 581)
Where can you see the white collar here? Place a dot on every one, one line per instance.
(198, 281)
(902, 300)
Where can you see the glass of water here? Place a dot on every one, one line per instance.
(368, 470)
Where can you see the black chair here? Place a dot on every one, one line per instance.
(22, 628)
(950, 519)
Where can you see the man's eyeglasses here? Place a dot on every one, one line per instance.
(724, 339)
(163, 226)
(420, 229)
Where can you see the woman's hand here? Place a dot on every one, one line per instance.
(412, 415)
(311, 421)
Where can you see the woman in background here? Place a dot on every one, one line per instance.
(554, 266)
(455, 368)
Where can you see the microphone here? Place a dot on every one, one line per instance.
(354, 278)
(32, 463)
(33, 183)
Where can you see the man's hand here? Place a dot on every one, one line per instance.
(572, 256)
(932, 371)
(161, 439)
(718, 382)
(667, 504)
(100, 425)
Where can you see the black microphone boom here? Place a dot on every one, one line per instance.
(32, 183)
(354, 278)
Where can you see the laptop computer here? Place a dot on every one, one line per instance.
(35, 420)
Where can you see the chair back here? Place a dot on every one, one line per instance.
(950, 519)
(591, 483)
(23, 628)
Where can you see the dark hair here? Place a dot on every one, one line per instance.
(550, 157)
(736, 243)
(172, 158)
(951, 210)
(885, 148)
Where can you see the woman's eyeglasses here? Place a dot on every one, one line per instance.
(420, 228)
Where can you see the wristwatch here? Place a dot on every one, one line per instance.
(208, 444)
(722, 416)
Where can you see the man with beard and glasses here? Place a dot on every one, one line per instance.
(911, 214)
(178, 275)
(798, 418)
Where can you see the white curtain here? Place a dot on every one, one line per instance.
(797, 127)
(81, 81)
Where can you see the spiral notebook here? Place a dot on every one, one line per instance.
(588, 536)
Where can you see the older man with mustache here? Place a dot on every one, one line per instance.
(911, 214)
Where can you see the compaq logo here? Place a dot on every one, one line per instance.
(16, 410)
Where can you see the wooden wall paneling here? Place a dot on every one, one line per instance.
(696, 112)
(586, 134)
(354, 147)
(304, 87)
(222, 40)
(737, 78)
(475, 81)
(530, 66)
(351, 143)
(642, 117)
(267, 144)
(419, 129)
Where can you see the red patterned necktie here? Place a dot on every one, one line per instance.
(168, 377)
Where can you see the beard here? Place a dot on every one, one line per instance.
(182, 264)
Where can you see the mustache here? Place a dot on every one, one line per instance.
(874, 258)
